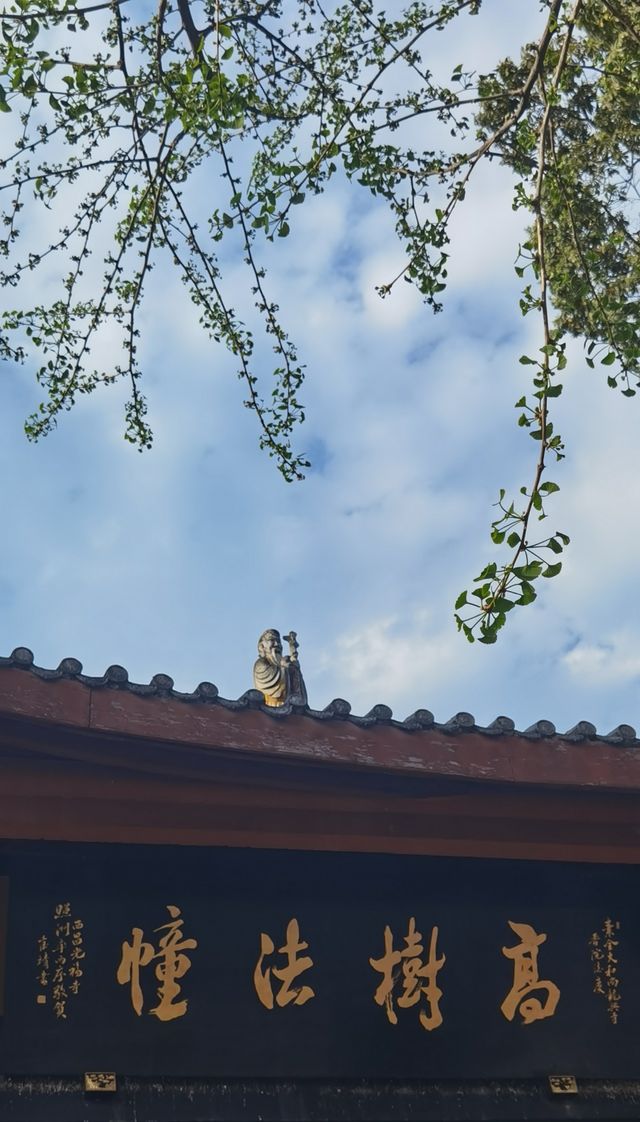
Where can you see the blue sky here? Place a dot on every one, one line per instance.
(177, 559)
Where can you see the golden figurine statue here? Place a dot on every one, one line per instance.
(278, 676)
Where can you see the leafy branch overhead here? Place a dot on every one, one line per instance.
(122, 107)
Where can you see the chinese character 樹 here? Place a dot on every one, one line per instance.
(418, 977)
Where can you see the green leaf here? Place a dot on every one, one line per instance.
(489, 571)
(489, 635)
(530, 571)
(528, 595)
(464, 627)
(608, 359)
(503, 605)
(481, 592)
(283, 230)
(552, 570)
(461, 601)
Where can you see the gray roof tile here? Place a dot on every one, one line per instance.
(161, 685)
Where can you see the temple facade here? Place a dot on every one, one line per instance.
(247, 909)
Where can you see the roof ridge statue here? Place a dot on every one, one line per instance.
(277, 676)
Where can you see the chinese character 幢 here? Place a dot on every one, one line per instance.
(418, 978)
(287, 974)
(172, 964)
(526, 980)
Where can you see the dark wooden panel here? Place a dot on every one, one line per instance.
(61, 1100)
(4, 902)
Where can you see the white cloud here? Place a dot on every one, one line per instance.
(392, 657)
(613, 660)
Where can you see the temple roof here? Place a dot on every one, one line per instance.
(206, 693)
(418, 745)
(99, 758)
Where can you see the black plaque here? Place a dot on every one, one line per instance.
(4, 902)
(564, 998)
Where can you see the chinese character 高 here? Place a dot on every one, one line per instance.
(526, 980)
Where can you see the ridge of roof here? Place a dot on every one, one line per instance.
(206, 693)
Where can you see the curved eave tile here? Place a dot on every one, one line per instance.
(206, 693)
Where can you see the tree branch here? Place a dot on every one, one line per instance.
(193, 35)
(20, 17)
